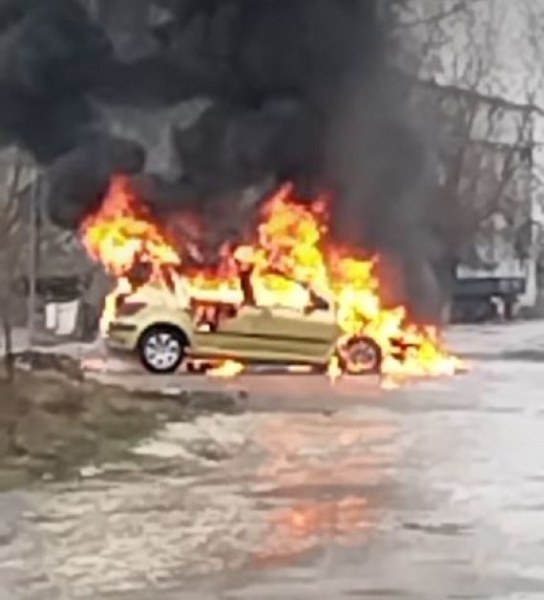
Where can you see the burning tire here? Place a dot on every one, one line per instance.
(360, 355)
(162, 349)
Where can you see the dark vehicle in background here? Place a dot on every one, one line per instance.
(485, 299)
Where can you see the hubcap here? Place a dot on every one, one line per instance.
(162, 351)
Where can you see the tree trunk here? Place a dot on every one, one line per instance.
(8, 345)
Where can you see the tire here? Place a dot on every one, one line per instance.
(361, 355)
(162, 349)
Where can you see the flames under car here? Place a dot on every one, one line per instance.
(206, 332)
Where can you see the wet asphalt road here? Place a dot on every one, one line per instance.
(431, 491)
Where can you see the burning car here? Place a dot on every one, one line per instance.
(211, 330)
(285, 293)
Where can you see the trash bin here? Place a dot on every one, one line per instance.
(51, 316)
(67, 318)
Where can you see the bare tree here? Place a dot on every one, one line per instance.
(440, 39)
(532, 61)
(11, 240)
(486, 177)
(481, 140)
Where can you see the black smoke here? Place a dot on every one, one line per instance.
(296, 90)
(51, 57)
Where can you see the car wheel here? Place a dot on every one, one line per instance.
(360, 355)
(162, 349)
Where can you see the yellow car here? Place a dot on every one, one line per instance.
(165, 335)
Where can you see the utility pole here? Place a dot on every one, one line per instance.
(32, 259)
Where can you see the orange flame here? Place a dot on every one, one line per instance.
(291, 256)
(227, 370)
(122, 233)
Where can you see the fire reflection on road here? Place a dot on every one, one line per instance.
(305, 526)
(321, 483)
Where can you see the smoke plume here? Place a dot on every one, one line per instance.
(294, 89)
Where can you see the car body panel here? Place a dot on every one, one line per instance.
(263, 334)
(125, 332)
(288, 332)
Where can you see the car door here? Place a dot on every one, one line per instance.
(292, 334)
(233, 337)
